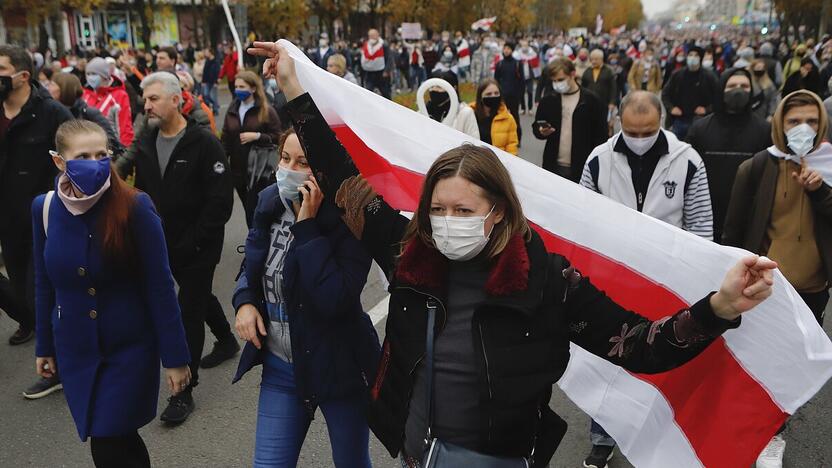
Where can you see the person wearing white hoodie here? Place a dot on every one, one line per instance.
(444, 105)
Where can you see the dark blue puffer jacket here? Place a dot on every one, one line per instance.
(335, 347)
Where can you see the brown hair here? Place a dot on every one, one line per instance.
(171, 53)
(799, 98)
(255, 82)
(113, 226)
(70, 86)
(480, 107)
(480, 166)
(558, 65)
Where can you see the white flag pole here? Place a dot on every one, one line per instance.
(240, 50)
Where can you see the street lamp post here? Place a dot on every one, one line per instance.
(234, 34)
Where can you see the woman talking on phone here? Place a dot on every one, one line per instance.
(298, 303)
(481, 315)
(105, 303)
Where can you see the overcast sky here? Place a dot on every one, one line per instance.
(651, 7)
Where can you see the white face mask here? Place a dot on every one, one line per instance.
(561, 87)
(640, 146)
(288, 182)
(94, 80)
(460, 238)
(801, 139)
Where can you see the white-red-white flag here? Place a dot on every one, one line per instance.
(483, 24)
(718, 410)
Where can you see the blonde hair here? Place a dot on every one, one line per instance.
(480, 166)
(72, 128)
(798, 98)
(340, 62)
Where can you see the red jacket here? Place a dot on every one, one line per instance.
(229, 67)
(104, 98)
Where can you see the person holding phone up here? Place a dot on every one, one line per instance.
(298, 303)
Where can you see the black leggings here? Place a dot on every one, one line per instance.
(126, 451)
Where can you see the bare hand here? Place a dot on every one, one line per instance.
(547, 131)
(699, 110)
(178, 379)
(811, 180)
(249, 325)
(745, 286)
(248, 137)
(45, 367)
(676, 111)
(312, 198)
(278, 65)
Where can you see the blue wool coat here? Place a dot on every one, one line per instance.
(335, 347)
(106, 323)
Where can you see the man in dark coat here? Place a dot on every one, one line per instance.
(183, 168)
(29, 118)
(571, 120)
(600, 79)
(509, 74)
(323, 52)
(726, 138)
(689, 93)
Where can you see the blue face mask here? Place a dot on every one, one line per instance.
(288, 182)
(242, 95)
(88, 175)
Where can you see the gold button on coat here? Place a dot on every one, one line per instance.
(91, 291)
(93, 314)
(82, 271)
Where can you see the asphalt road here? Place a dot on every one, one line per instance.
(220, 433)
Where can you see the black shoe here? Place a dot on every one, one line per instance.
(22, 335)
(179, 408)
(43, 387)
(223, 351)
(599, 456)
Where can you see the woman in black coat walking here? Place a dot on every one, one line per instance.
(469, 268)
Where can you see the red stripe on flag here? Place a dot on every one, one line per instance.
(727, 416)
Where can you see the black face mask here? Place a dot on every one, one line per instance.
(492, 102)
(439, 105)
(759, 73)
(5, 87)
(736, 100)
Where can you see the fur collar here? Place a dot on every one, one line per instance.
(421, 265)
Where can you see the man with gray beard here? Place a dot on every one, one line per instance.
(183, 168)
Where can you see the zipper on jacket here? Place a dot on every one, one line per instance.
(488, 378)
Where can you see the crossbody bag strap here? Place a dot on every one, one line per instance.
(429, 364)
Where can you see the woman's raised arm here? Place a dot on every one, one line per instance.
(377, 225)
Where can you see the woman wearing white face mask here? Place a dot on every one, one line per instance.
(469, 271)
(781, 206)
(298, 306)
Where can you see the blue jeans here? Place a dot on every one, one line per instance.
(282, 423)
(598, 436)
(209, 95)
(680, 127)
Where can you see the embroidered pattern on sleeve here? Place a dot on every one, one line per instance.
(356, 197)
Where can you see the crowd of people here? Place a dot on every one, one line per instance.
(120, 153)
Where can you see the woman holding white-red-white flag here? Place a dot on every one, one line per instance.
(480, 309)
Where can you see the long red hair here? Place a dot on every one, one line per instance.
(117, 203)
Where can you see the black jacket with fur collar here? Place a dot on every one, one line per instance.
(536, 305)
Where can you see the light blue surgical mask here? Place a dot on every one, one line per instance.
(288, 182)
(94, 81)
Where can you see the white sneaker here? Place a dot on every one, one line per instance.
(772, 455)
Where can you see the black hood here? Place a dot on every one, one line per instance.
(719, 99)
